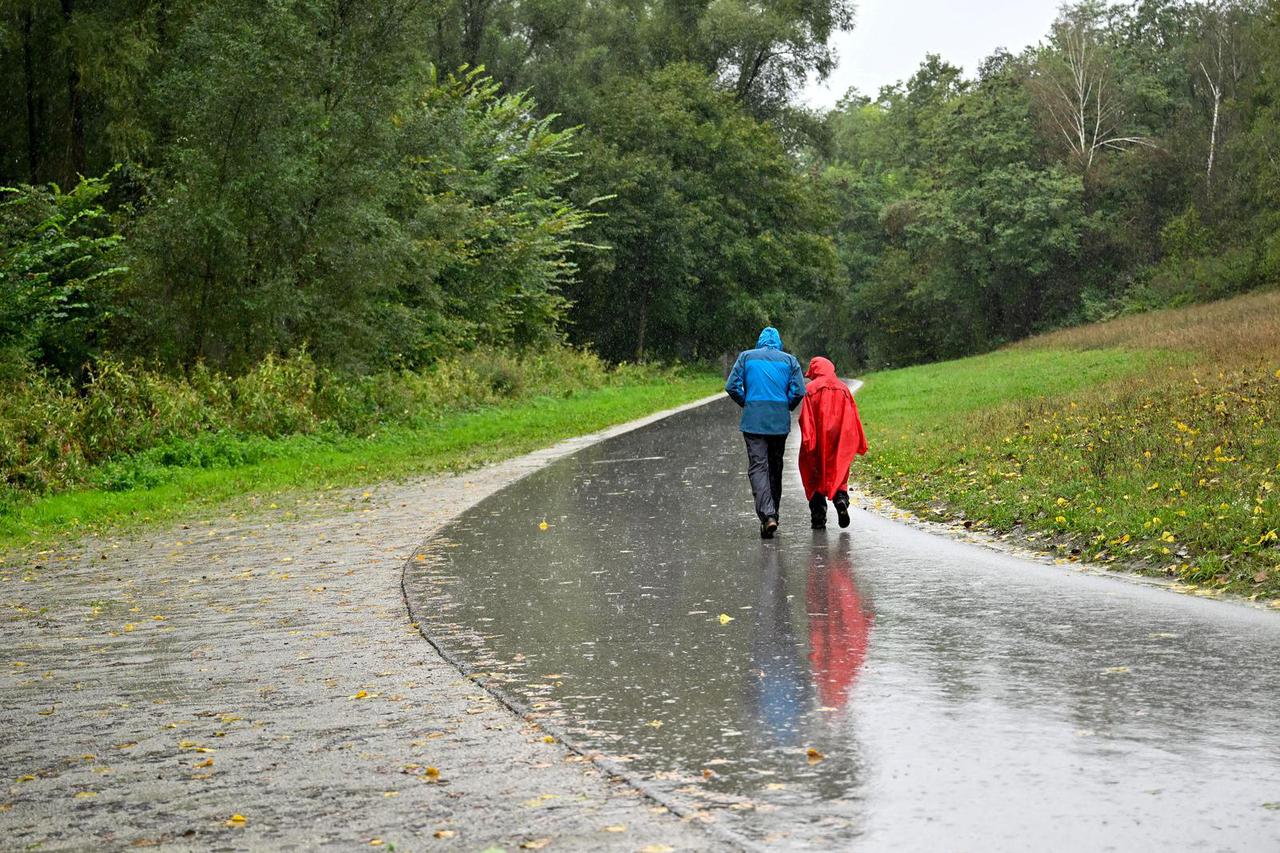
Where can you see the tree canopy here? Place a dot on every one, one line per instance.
(386, 182)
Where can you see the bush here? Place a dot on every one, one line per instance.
(129, 426)
(58, 266)
(277, 397)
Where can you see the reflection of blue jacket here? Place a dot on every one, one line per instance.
(767, 383)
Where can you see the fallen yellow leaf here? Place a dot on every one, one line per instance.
(433, 774)
(359, 694)
(445, 833)
(543, 525)
(236, 821)
(814, 755)
(83, 795)
(725, 618)
(208, 762)
(535, 843)
(617, 827)
(548, 739)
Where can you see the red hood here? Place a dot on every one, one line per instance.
(820, 368)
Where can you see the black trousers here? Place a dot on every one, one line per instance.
(764, 469)
(818, 505)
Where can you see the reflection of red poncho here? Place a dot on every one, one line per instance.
(830, 431)
(839, 631)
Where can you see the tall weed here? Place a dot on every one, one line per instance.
(130, 426)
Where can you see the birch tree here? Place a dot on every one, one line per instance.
(1220, 64)
(1079, 91)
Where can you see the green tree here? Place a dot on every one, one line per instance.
(59, 266)
(711, 228)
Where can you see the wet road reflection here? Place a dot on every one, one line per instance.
(961, 699)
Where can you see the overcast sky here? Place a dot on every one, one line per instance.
(891, 37)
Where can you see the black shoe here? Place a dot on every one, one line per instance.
(842, 513)
(818, 523)
(768, 528)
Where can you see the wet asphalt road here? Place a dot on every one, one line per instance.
(961, 699)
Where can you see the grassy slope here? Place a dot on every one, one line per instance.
(1151, 441)
(459, 441)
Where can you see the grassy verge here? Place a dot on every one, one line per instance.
(1151, 442)
(209, 470)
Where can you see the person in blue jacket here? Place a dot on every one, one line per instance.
(768, 384)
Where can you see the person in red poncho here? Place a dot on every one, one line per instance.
(830, 437)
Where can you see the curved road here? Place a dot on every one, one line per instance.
(878, 688)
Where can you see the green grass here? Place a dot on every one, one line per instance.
(927, 398)
(1133, 444)
(204, 480)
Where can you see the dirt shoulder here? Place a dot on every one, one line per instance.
(155, 686)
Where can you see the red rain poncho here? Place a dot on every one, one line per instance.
(830, 431)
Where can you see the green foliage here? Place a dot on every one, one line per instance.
(182, 476)
(326, 187)
(131, 419)
(58, 269)
(957, 234)
(310, 173)
(489, 224)
(978, 211)
(711, 229)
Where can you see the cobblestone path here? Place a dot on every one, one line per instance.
(156, 688)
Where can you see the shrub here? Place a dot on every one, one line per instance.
(130, 426)
(58, 266)
(277, 397)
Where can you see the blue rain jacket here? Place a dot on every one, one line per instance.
(767, 383)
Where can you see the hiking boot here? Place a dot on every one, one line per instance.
(768, 528)
(842, 513)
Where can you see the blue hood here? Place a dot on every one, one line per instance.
(770, 338)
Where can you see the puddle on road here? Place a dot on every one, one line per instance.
(957, 697)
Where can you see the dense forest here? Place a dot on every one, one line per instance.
(1127, 162)
(387, 182)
